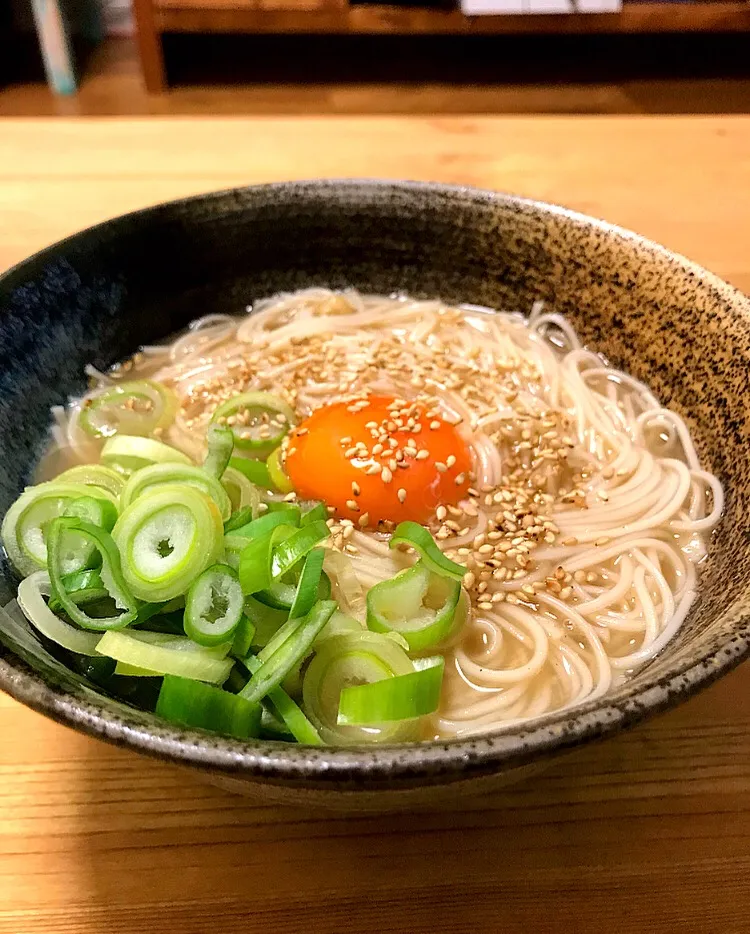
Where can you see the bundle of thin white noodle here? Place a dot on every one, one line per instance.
(629, 543)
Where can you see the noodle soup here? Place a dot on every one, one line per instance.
(490, 522)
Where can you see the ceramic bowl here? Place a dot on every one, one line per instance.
(95, 297)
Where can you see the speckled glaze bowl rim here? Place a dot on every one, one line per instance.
(434, 761)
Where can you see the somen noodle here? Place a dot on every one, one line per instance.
(581, 519)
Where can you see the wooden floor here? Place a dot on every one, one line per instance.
(379, 75)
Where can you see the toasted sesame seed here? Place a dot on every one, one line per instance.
(602, 541)
(356, 488)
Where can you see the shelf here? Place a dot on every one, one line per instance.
(227, 16)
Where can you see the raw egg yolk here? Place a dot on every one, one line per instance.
(378, 459)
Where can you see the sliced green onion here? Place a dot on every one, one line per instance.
(128, 453)
(417, 604)
(279, 659)
(290, 549)
(418, 538)
(201, 705)
(272, 726)
(240, 490)
(149, 479)
(170, 656)
(213, 606)
(293, 549)
(309, 584)
(24, 526)
(255, 414)
(111, 574)
(166, 539)
(234, 545)
(255, 568)
(31, 593)
(138, 407)
(317, 513)
(238, 519)
(220, 446)
(277, 473)
(133, 671)
(243, 637)
(338, 625)
(94, 475)
(403, 697)
(294, 719)
(94, 510)
(352, 659)
(255, 471)
(262, 525)
(83, 587)
(275, 505)
(266, 620)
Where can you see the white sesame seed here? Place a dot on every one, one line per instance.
(386, 475)
(450, 460)
(441, 512)
(423, 454)
(356, 488)
(352, 505)
(434, 425)
(401, 495)
(440, 467)
(460, 479)
(373, 469)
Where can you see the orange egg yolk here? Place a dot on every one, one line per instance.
(378, 459)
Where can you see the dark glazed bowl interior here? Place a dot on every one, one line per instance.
(95, 297)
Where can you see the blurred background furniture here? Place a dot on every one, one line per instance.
(154, 18)
(64, 29)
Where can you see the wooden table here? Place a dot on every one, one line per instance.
(649, 832)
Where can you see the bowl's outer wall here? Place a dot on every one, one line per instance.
(97, 296)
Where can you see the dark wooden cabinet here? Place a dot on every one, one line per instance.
(155, 17)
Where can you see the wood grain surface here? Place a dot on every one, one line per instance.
(649, 832)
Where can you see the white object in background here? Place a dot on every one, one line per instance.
(598, 6)
(551, 6)
(118, 17)
(498, 7)
(492, 7)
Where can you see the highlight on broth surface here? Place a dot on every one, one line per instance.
(348, 519)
